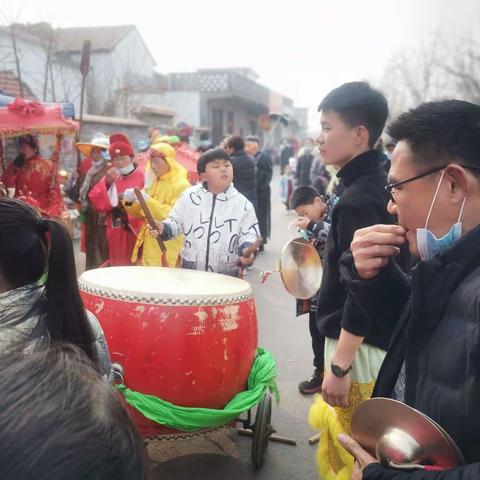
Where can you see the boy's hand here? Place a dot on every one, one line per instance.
(302, 222)
(245, 261)
(373, 246)
(248, 253)
(157, 231)
(335, 390)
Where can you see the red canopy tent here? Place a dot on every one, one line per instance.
(23, 117)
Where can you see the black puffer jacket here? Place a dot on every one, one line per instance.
(245, 175)
(437, 334)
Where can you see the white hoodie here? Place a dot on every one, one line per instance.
(216, 228)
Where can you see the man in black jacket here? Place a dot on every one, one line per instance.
(433, 362)
(264, 168)
(244, 169)
(352, 119)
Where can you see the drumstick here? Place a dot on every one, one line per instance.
(149, 217)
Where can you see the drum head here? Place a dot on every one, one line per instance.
(153, 284)
(394, 432)
(301, 268)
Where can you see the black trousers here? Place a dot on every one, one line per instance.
(318, 342)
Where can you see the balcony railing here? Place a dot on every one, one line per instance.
(227, 83)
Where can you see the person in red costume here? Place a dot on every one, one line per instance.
(33, 179)
(106, 196)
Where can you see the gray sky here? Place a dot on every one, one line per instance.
(301, 48)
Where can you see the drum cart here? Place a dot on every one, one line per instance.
(186, 360)
(261, 430)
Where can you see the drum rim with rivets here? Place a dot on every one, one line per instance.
(161, 285)
(294, 272)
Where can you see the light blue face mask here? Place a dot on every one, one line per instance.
(126, 170)
(427, 243)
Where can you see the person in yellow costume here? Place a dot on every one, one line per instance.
(165, 180)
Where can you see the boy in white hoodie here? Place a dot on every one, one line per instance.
(218, 222)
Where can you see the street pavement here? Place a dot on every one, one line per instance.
(224, 453)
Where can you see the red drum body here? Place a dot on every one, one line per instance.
(184, 336)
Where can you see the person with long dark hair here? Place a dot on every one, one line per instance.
(59, 419)
(39, 296)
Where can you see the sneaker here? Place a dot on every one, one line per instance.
(312, 385)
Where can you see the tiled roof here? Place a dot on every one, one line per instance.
(9, 85)
(102, 38)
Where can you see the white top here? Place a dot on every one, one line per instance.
(216, 228)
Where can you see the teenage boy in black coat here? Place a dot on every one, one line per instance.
(352, 119)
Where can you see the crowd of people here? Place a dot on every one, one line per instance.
(396, 314)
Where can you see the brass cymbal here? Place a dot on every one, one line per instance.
(402, 437)
(301, 268)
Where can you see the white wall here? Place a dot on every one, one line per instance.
(186, 105)
(128, 62)
(125, 66)
(32, 56)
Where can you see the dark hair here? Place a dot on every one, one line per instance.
(253, 139)
(441, 132)
(358, 103)
(60, 419)
(27, 254)
(209, 156)
(303, 196)
(236, 143)
(30, 141)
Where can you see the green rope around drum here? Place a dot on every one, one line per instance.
(262, 376)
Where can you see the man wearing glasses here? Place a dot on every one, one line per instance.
(433, 362)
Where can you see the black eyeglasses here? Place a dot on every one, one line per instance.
(391, 186)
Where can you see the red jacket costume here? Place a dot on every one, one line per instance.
(36, 183)
(121, 227)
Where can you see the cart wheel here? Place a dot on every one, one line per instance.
(262, 429)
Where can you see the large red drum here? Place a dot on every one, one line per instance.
(184, 336)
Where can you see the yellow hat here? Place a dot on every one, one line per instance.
(98, 142)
